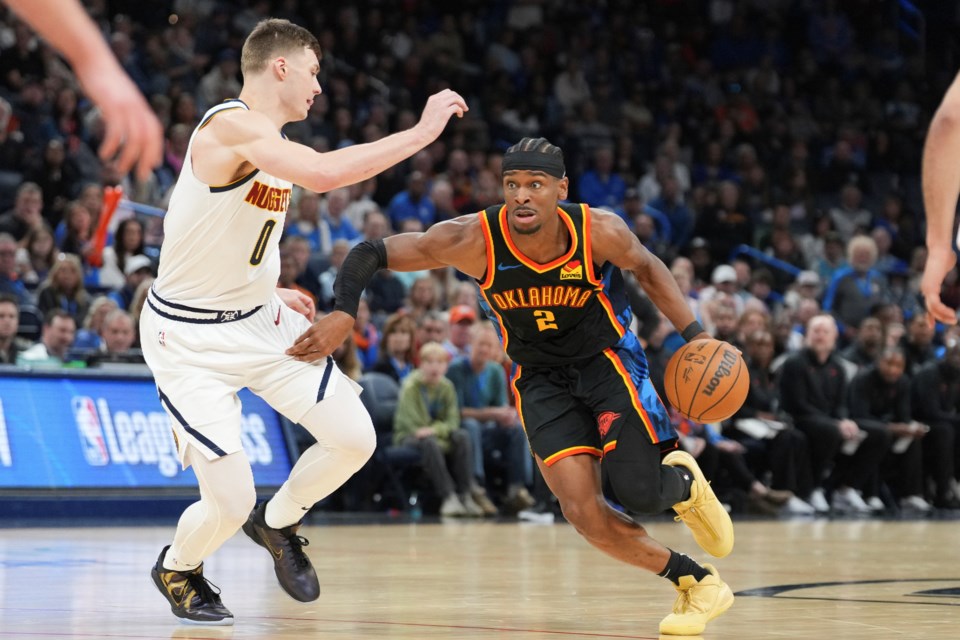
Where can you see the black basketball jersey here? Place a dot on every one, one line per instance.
(554, 313)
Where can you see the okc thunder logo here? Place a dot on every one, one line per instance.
(604, 421)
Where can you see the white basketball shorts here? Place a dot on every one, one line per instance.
(200, 359)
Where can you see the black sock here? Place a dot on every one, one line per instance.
(687, 477)
(681, 565)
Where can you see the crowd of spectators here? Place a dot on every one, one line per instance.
(767, 151)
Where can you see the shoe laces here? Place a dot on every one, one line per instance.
(683, 601)
(296, 543)
(208, 592)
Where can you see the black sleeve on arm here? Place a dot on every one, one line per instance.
(358, 268)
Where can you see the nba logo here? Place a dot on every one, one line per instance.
(91, 433)
(162, 338)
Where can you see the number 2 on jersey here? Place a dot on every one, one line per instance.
(261, 247)
(545, 319)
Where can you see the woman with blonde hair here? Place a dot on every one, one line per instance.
(63, 288)
(88, 337)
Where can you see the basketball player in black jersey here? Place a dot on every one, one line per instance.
(550, 278)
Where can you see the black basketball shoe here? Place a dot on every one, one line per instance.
(192, 598)
(293, 568)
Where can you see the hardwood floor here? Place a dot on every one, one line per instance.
(799, 579)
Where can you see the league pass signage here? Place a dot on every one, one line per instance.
(88, 432)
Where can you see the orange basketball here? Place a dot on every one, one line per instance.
(707, 380)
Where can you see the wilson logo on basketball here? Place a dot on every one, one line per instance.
(723, 370)
(604, 421)
(572, 271)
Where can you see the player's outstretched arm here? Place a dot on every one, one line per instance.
(131, 126)
(457, 243)
(612, 241)
(253, 137)
(941, 186)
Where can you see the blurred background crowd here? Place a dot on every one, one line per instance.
(767, 151)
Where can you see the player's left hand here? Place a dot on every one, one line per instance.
(323, 337)
(299, 302)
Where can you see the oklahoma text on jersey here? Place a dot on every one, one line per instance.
(545, 296)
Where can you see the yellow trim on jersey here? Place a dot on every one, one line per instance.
(591, 276)
(491, 259)
(516, 395)
(536, 266)
(224, 187)
(214, 114)
(571, 451)
(634, 394)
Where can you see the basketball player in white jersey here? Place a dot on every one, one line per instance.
(215, 321)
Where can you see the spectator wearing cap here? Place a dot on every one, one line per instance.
(462, 319)
(136, 270)
(723, 282)
(670, 204)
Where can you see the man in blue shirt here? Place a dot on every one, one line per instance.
(412, 202)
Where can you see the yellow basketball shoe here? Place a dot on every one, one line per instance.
(697, 604)
(702, 513)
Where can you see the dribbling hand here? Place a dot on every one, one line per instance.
(323, 337)
(939, 263)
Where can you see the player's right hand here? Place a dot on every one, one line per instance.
(939, 263)
(325, 335)
(440, 107)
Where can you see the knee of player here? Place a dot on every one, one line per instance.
(237, 508)
(586, 517)
(363, 440)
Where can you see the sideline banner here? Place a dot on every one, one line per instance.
(89, 432)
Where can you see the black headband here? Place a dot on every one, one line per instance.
(551, 164)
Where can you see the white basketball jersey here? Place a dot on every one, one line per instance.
(220, 248)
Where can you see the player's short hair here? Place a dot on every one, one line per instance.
(271, 38)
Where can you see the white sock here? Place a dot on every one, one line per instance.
(170, 563)
(283, 510)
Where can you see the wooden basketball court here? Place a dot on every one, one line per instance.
(799, 579)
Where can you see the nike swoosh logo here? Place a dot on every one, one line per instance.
(277, 321)
(276, 553)
(504, 267)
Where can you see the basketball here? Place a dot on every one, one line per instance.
(707, 380)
